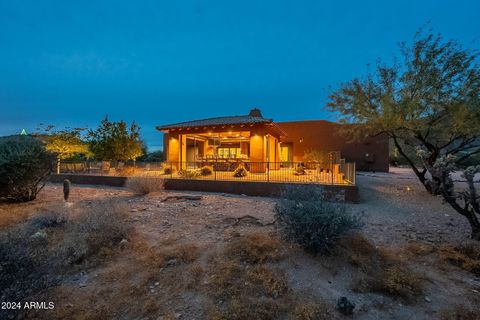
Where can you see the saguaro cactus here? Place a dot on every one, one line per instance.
(66, 189)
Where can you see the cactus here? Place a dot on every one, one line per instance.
(66, 189)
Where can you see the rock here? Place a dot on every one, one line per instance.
(177, 315)
(123, 243)
(134, 210)
(42, 234)
(345, 306)
(427, 299)
(172, 262)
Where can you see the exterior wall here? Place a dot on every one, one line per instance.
(171, 142)
(322, 135)
(347, 193)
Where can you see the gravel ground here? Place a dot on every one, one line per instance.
(398, 209)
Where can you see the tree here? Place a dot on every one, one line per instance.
(431, 99)
(116, 141)
(431, 102)
(465, 202)
(65, 143)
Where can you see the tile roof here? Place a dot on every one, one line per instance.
(218, 121)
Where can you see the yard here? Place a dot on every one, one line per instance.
(220, 258)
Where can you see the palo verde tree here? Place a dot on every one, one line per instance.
(430, 98)
(116, 141)
(64, 143)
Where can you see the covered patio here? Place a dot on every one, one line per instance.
(224, 142)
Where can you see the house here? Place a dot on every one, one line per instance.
(264, 145)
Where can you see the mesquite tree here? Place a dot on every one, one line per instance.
(465, 202)
(116, 141)
(429, 98)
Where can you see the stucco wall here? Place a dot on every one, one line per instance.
(322, 135)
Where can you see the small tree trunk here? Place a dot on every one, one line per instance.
(420, 174)
(58, 165)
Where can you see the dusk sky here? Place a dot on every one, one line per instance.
(70, 63)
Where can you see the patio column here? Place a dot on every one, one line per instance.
(173, 149)
(257, 153)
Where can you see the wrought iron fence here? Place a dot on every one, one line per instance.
(341, 172)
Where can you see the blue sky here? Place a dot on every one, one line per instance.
(69, 63)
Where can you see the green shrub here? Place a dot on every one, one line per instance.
(206, 170)
(24, 164)
(240, 171)
(305, 216)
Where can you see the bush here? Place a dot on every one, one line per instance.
(305, 216)
(144, 184)
(299, 170)
(102, 226)
(255, 248)
(189, 174)
(24, 164)
(168, 168)
(36, 254)
(383, 271)
(240, 171)
(206, 170)
(465, 255)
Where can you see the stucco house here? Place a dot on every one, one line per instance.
(253, 139)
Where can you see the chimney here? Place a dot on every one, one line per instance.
(255, 112)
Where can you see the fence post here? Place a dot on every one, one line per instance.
(214, 172)
(354, 174)
(268, 171)
(171, 170)
(331, 168)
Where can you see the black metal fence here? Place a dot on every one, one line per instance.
(340, 172)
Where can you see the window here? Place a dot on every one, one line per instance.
(228, 152)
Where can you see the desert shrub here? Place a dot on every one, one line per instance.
(381, 270)
(126, 171)
(144, 184)
(36, 254)
(306, 217)
(313, 311)
(168, 168)
(206, 170)
(24, 164)
(99, 227)
(273, 282)
(52, 217)
(465, 255)
(255, 248)
(245, 308)
(240, 171)
(189, 174)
